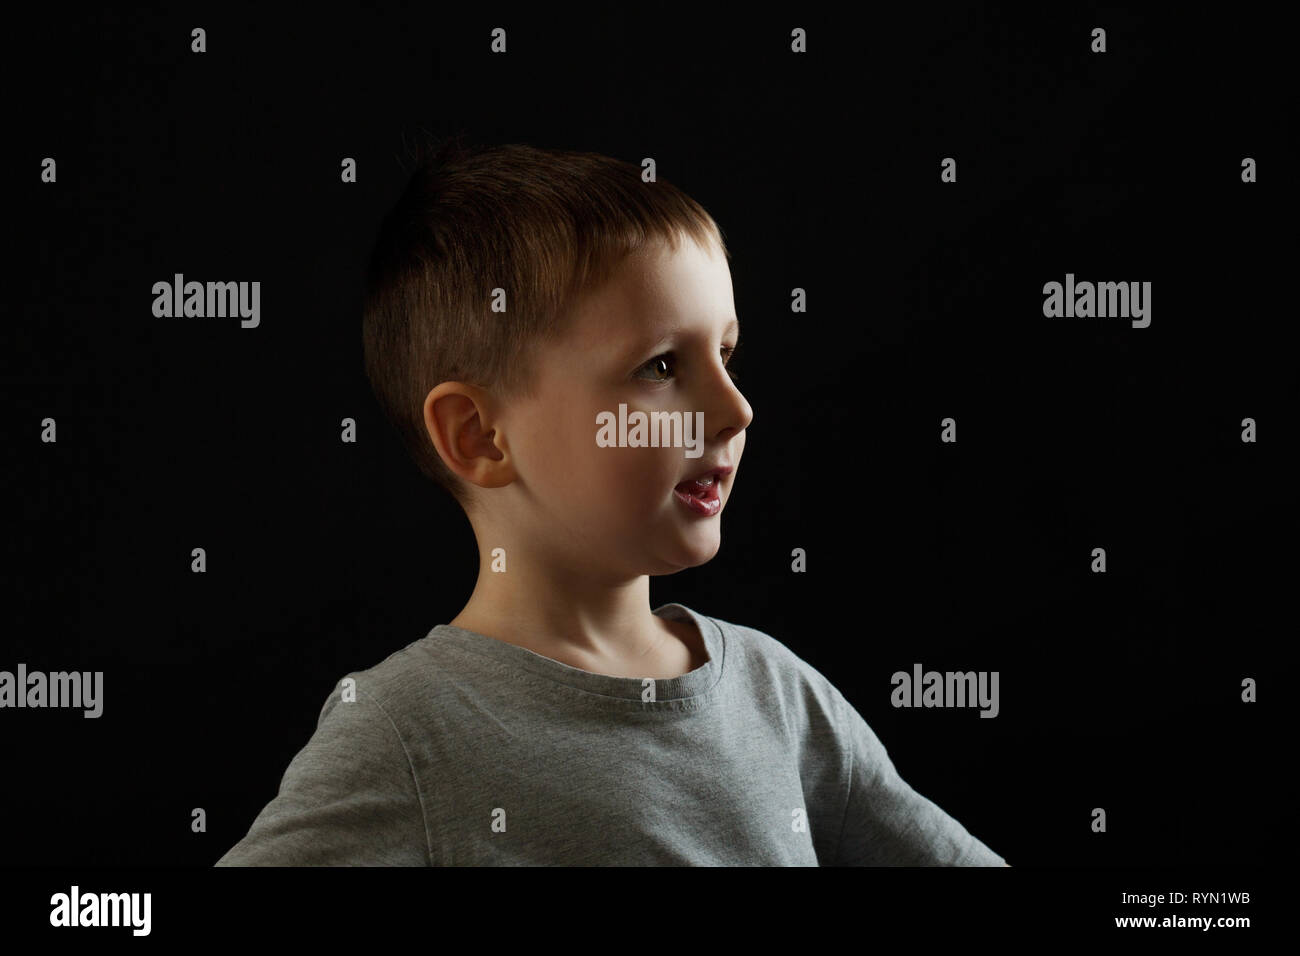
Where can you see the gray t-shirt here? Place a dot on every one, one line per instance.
(461, 750)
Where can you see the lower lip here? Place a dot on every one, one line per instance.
(706, 506)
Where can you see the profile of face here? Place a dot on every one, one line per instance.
(657, 337)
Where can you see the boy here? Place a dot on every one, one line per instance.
(517, 299)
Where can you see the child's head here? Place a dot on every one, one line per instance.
(513, 296)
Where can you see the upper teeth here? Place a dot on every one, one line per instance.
(706, 480)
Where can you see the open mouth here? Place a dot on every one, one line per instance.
(700, 495)
(705, 489)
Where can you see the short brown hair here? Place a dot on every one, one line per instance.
(541, 224)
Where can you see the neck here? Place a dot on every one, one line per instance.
(539, 604)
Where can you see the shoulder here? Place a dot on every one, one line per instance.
(393, 684)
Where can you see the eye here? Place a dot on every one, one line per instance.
(727, 353)
(661, 367)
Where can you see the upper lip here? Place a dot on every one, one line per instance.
(719, 469)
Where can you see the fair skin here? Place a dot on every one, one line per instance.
(584, 526)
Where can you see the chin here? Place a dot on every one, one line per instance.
(703, 554)
(684, 558)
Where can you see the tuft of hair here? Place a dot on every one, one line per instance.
(542, 224)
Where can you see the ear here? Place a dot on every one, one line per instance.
(460, 422)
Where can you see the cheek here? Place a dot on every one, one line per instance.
(568, 464)
(636, 483)
(635, 472)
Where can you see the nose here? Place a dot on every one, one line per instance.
(732, 414)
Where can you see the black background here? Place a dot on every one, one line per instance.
(1118, 690)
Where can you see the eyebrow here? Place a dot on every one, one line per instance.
(645, 345)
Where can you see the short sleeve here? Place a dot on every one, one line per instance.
(348, 798)
(886, 822)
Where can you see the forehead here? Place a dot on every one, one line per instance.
(656, 290)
